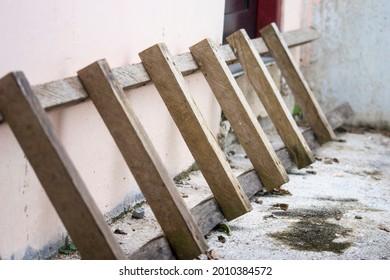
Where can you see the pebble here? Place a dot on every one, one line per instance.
(138, 213)
(119, 231)
(258, 201)
(221, 239)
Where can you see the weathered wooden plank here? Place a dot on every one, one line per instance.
(208, 214)
(156, 249)
(271, 98)
(297, 83)
(293, 38)
(69, 91)
(54, 94)
(54, 169)
(160, 192)
(212, 162)
(237, 110)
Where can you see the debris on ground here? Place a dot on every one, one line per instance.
(224, 228)
(138, 213)
(280, 191)
(330, 160)
(385, 228)
(212, 255)
(119, 231)
(266, 217)
(221, 238)
(258, 201)
(319, 223)
(282, 206)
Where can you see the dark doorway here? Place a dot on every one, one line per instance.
(240, 14)
(251, 15)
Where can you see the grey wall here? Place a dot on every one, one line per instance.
(350, 61)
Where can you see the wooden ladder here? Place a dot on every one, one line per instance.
(23, 107)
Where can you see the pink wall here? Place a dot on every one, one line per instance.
(51, 40)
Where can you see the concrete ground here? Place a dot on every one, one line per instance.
(336, 208)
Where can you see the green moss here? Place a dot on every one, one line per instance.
(68, 248)
(127, 211)
(297, 111)
(312, 232)
(186, 173)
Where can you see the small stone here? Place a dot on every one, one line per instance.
(328, 161)
(119, 231)
(266, 217)
(311, 172)
(385, 228)
(221, 238)
(358, 217)
(283, 206)
(280, 191)
(212, 255)
(258, 201)
(138, 213)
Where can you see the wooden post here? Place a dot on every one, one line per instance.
(297, 83)
(158, 188)
(269, 95)
(201, 142)
(237, 110)
(54, 169)
(207, 212)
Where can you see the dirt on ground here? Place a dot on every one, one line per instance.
(336, 208)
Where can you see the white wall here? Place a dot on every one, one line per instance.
(350, 61)
(51, 40)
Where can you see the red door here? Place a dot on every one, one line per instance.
(251, 15)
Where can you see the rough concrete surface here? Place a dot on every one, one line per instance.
(337, 208)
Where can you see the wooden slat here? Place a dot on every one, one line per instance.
(271, 98)
(153, 179)
(212, 162)
(237, 110)
(69, 91)
(55, 171)
(207, 212)
(293, 38)
(297, 83)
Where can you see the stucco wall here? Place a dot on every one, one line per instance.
(51, 40)
(350, 61)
